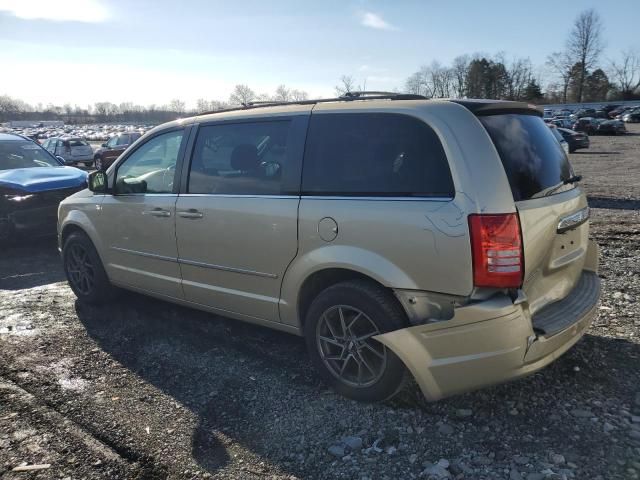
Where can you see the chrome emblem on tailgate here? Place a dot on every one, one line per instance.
(574, 220)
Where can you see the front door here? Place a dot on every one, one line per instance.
(139, 218)
(236, 223)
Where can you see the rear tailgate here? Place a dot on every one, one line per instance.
(552, 212)
(79, 148)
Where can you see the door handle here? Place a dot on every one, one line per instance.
(192, 213)
(157, 212)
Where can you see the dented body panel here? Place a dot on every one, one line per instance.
(486, 343)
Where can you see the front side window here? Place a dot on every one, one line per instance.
(123, 140)
(374, 154)
(112, 142)
(24, 154)
(242, 158)
(151, 167)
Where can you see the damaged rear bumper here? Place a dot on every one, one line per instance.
(486, 343)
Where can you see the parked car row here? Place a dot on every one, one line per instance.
(629, 114)
(92, 133)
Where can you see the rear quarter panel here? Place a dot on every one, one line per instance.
(414, 244)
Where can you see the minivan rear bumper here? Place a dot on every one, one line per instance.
(487, 343)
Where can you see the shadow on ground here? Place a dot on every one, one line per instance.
(239, 380)
(613, 203)
(39, 264)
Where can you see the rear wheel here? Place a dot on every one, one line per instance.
(339, 330)
(84, 270)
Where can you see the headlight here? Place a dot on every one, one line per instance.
(13, 195)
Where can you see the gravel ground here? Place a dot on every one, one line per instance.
(145, 389)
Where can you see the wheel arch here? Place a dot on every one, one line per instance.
(77, 221)
(334, 264)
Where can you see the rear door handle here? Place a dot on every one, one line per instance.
(157, 212)
(192, 213)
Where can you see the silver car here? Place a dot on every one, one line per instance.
(72, 150)
(440, 239)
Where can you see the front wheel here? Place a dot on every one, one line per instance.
(340, 328)
(84, 270)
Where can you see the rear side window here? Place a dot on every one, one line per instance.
(374, 154)
(533, 159)
(241, 159)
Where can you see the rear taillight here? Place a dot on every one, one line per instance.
(496, 247)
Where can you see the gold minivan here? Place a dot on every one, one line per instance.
(444, 239)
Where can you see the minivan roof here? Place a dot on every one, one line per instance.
(371, 102)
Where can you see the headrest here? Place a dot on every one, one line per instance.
(245, 157)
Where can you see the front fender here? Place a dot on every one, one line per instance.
(81, 215)
(336, 256)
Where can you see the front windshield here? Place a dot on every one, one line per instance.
(24, 154)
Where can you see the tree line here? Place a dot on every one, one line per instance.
(577, 73)
(127, 112)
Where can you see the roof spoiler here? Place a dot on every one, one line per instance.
(500, 107)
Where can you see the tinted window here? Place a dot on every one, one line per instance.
(243, 158)
(532, 157)
(374, 155)
(112, 142)
(24, 154)
(151, 167)
(75, 142)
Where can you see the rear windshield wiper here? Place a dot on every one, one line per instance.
(551, 190)
(573, 179)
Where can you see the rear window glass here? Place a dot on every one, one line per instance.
(532, 157)
(374, 154)
(76, 142)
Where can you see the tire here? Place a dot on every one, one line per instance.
(360, 373)
(84, 270)
(572, 149)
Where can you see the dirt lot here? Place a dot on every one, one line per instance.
(144, 389)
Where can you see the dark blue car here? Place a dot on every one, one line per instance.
(32, 184)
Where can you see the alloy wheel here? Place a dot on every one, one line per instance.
(80, 269)
(344, 337)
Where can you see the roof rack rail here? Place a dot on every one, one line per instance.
(345, 97)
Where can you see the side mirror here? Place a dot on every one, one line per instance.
(97, 182)
(104, 145)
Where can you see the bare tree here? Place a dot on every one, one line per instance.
(299, 95)
(241, 95)
(562, 66)
(177, 105)
(518, 78)
(459, 72)
(347, 84)
(202, 105)
(585, 45)
(627, 73)
(283, 94)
